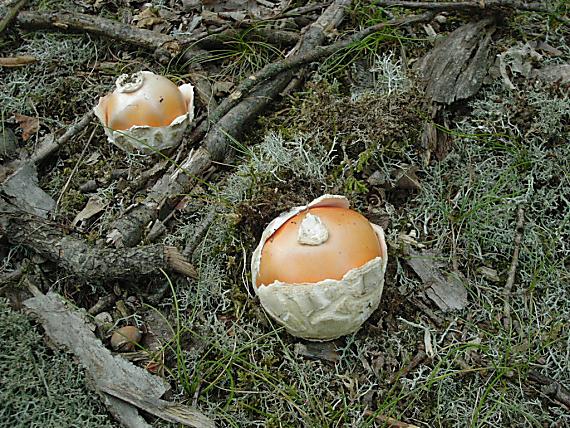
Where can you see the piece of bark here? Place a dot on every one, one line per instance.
(445, 290)
(318, 351)
(129, 229)
(68, 328)
(553, 74)
(22, 189)
(89, 263)
(172, 412)
(456, 67)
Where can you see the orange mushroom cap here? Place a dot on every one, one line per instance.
(351, 243)
(156, 101)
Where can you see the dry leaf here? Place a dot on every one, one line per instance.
(29, 125)
(94, 206)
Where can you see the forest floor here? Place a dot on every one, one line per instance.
(449, 129)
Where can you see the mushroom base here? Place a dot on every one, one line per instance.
(149, 139)
(328, 309)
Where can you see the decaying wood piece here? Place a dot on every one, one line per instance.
(81, 259)
(456, 67)
(21, 188)
(233, 115)
(12, 11)
(122, 384)
(446, 291)
(129, 229)
(172, 412)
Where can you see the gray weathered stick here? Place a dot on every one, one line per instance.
(81, 259)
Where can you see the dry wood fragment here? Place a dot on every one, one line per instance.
(551, 387)
(50, 144)
(455, 68)
(172, 412)
(21, 188)
(17, 61)
(159, 43)
(416, 361)
(81, 259)
(122, 383)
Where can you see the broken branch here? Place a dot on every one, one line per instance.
(80, 258)
(147, 39)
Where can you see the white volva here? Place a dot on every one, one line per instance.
(330, 308)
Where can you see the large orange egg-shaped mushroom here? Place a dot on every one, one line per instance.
(319, 269)
(351, 243)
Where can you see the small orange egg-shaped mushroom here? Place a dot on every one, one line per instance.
(144, 99)
(351, 243)
(146, 112)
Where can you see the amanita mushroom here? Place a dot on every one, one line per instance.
(319, 269)
(146, 112)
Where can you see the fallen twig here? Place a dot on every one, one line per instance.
(416, 361)
(147, 39)
(513, 269)
(51, 145)
(78, 257)
(17, 61)
(13, 11)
